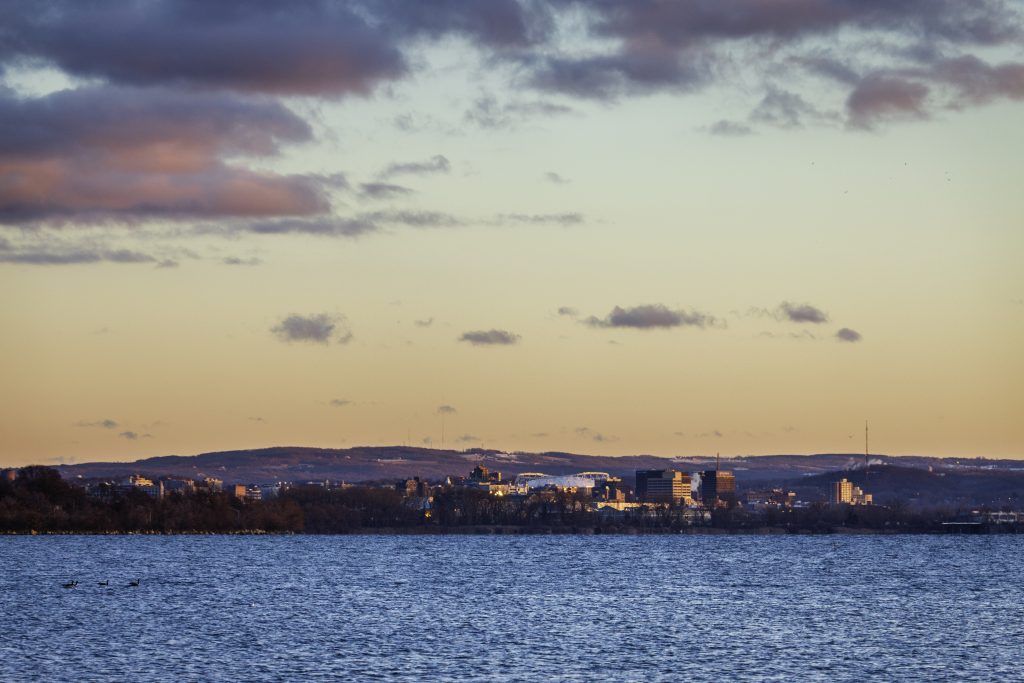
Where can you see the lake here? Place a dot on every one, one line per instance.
(501, 608)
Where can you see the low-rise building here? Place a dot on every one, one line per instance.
(139, 483)
(413, 487)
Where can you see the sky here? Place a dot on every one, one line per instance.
(598, 226)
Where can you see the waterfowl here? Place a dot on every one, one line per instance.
(133, 584)
(104, 583)
(70, 584)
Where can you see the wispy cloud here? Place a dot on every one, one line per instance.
(238, 261)
(446, 410)
(104, 424)
(571, 218)
(383, 191)
(488, 112)
(435, 164)
(726, 128)
(588, 433)
(62, 256)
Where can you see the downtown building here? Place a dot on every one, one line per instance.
(717, 488)
(844, 492)
(663, 486)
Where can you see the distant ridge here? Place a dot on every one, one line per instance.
(360, 464)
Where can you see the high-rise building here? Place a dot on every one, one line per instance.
(843, 492)
(663, 486)
(717, 487)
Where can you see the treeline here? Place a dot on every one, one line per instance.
(39, 500)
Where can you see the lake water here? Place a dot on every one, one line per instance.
(494, 608)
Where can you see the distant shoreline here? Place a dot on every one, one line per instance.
(538, 531)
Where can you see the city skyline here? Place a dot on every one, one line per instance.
(595, 227)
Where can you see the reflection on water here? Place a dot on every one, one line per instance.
(511, 608)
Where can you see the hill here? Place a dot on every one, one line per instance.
(924, 487)
(299, 464)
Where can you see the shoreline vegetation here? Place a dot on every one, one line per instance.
(40, 502)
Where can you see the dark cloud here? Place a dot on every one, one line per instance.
(446, 410)
(880, 98)
(689, 24)
(319, 329)
(131, 436)
(647, 46)
(555, 178)
(312, 47)
(104, 424)
(490, 338)
(238, 261)
(977, 82)
(167, 263)
(383, 191)
(495, 24)
(635, 70)
(651, 316)
(423, 323)
(845, 334)
(340, 402)
(568, 311)
(435, 164)
(106, 153)
(467, 438)
(173, 97)
(801, 313)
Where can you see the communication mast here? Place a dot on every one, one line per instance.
(867, 459)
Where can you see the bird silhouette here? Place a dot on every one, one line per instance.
(104, 583)
(133, 584)
(70, 584)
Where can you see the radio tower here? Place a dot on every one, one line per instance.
(867, 460)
